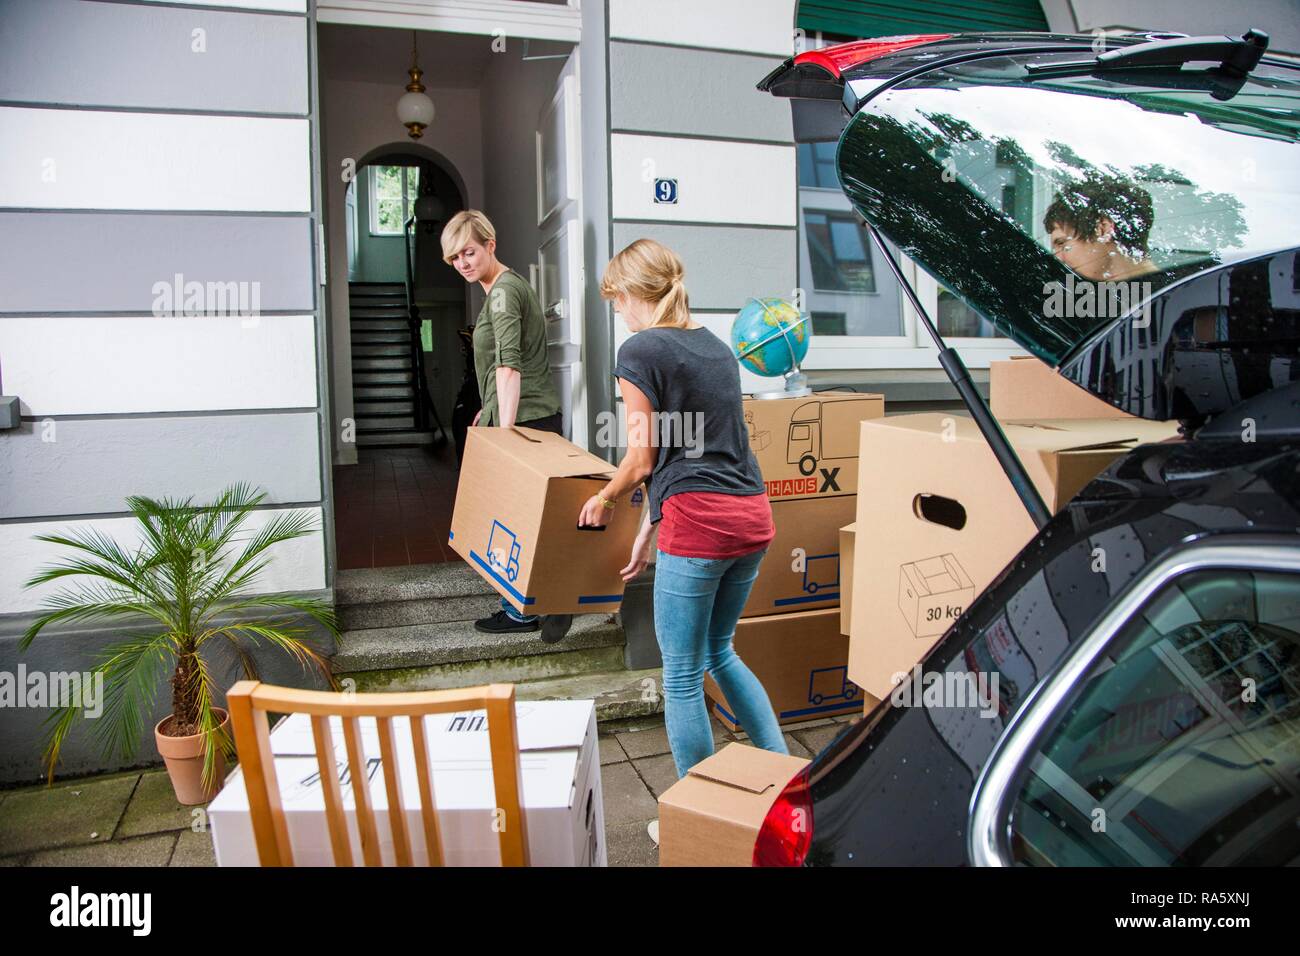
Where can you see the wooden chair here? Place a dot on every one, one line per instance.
(249, 703)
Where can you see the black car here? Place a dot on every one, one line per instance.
(1147, 640)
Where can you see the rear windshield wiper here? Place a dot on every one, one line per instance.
(1235, 56)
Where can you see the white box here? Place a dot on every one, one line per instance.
(563, 809)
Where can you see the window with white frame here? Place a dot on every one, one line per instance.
(393, 191)
(860, 318)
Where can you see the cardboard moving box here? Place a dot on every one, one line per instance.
(516, 522)
(801, 659)
(560, 790)
(803, 568)
(848, 539)
(1027, 388)
(942, 520)
(808, 447)
(711, 816)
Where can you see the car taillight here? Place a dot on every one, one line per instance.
(786, 833)
(836, 59)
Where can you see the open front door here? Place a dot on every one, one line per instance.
(559, 269)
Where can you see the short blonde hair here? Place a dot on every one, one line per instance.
(652, 272)
(468, 225)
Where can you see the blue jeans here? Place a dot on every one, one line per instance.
(515, 615)
(697, 604)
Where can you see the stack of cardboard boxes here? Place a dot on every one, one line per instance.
(937, 518)
(789, 633)
(934, 520)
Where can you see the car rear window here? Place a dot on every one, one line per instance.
(1053, 206)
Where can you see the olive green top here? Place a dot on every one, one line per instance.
(511, 331)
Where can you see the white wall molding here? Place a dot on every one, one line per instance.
(746, 26)
(297, 565)
(518, 18)
(718, 181)
(102, 159)
(278, 6)
(121, 365)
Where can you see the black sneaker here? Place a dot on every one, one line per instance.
(503, 623)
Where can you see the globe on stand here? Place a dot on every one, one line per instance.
(770, 338)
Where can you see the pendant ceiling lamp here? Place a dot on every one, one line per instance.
(415, 109)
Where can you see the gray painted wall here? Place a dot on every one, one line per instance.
(725, 265)
(1280, 19)
(151, 57)
(693, 92)
(23, 730)
(108, 262)
(103, 262)
(512, 97)
(710, 94)
(142, 456)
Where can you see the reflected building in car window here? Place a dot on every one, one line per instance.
(1197, 705)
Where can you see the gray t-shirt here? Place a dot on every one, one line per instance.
(693, 383)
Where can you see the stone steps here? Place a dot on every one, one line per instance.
(411, 628)
(368, 378)
(397, 438)
(367, 408)
(433, 645)
(619, 694)
(370, 424)
(369, 393)
(379, 363)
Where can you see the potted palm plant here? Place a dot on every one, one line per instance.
(189, 587)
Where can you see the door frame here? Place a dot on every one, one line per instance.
(518, 18)
(562, 224)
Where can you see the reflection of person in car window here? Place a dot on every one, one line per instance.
(1100, 228)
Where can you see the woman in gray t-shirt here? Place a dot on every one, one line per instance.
(687, 436)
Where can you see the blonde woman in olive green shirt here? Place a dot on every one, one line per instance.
(510, 361)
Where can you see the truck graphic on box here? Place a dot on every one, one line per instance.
(830, 683)
(821, 430)
(821, 571)
(503, 551)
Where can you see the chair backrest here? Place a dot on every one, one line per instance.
(249, 703)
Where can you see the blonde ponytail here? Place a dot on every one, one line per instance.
(650, 271)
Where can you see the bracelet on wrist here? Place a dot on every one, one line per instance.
(605, 502)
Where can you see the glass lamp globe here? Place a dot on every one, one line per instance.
(415, 112)
(429, 208)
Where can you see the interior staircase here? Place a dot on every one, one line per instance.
(383, 375)
(412, 628)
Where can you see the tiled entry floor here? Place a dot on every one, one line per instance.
(394, 507)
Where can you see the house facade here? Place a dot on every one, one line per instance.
(179, 214)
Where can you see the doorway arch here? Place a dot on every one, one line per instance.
(417, 151)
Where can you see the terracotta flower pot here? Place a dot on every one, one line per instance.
(184, 759)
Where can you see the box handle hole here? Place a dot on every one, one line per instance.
(937, 509)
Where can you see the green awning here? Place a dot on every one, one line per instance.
(873, 18)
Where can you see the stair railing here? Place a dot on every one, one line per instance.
(424, 407)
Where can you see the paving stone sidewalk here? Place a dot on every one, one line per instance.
(133, 819)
